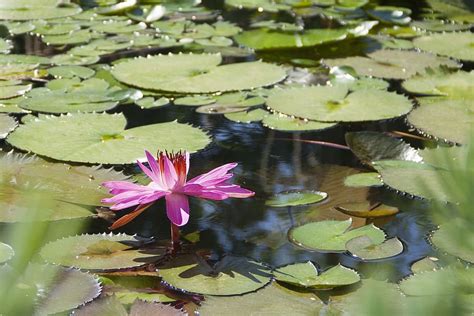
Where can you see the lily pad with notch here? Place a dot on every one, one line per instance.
(364, 248)
(100, 252)
(230, 276)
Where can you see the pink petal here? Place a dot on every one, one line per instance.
(235, 191)
(155, 168)
(199, 191)
(125, 197)
(214, 174)
(177, 208)
(187, 162)
(152, 197)
(116, 187)
(148, 172)
(170, 176)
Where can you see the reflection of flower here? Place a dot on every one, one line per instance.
(168, 175)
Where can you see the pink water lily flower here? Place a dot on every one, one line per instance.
(168, 175)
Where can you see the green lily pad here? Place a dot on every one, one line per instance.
(69, 59)
(194, 100)
(23, 59)
(30, 11)
(230, 276)
(11, 106)
(255, 115)
(445, 119)
(71, 72)
(7, 124)
(460, 45)
(18, 28)
(101, 138)
(424, 265)
(60, 289)
(152, 103)
(140, 308)
(296, 198)
(417, 179)
(6, 253)
(99, 252)
(337, 104)
(306, 275)
(147, 13)
(457, 85)
(44, 28)
(455, 238)
(271, 300)
(440, 26)
(108, 305)
(188, 73)
(331, 236)
(455, 281)
(283, 122)
(77, 37)
(118, 27)
(366, 209)
(364, 248)
(361, 180)
(5, 46)
(13, 90)
(459, 11)
(393, 15)
(12, 71)
(392, 64)
(371, 146)
(260, 5)
(264, 38)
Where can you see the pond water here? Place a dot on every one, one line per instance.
(270, 161)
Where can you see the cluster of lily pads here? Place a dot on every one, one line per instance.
(65, 110)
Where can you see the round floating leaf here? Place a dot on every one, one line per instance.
(336, 104)
(455, 281)
(440, 26)
(457, 85)
(101, 138)
(31, 11)
(366, 179)
(7, 124)
(23, 59)
(271, 300)
(71, 72)
(195, 100)
(102, 306)
(418, 179)
(99, 252)
(364, 248)
(387, 14)
(460, 44)
(151, 103)
(296, 198)
(230, 276)
(455, 238)
(17, 28)
(140, 308)
(247, 116)
(392, 64)
(366, 209)
(424, 265)
(14, 90)
(20, 71)
(261, 5)
(6, 253)
(332, 236)
(446, 119)
(285, 123)
(11, 106)
(370, 146)
(61, 289)
(69, 59)
(306, 275)
(77, 37)
(264, 38)
(188, 73)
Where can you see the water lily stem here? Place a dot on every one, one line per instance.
(175, 243)
(317, 142)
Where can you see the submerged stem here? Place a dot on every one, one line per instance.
(175, 243)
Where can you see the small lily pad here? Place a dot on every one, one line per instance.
(200, 73)
(331, 236)
(296, 198)
(98, 252)
(102, 306)
(152, 103)
(195, 100)
(366, 209)
(71, 72)
(7, 124)
(30, 11)
(287, 123)
(387, 14)
(255, 115)
(13, 90)
(306, 275)
(6, 253)
(364, 248)
(101, 138)
(460, 45)
(361, 180)
(424, 265)
(230, 276)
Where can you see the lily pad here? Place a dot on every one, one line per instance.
(371, 146)
(433, 25)
(188, 73)
(98, 252)
(271, 300)
(255, 115)
(366, 209)
(392, 64)
(296, 198)
(457, 85)
(443, 118)
(364, 248)
(102, 306)
(13, 90)
(101, 138)
(230, 276)
(152, 103)
(460, 45)
(331, 235)
(366, 179)
(260, 5)
(337, 104)
(7, 124)
(285, 123)
(387, 14)
(140, 308)
(194, 100)
(30, 11)
(424, 265)
(71, 72)
(455, 238)
(6, 253)
(306, 275)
